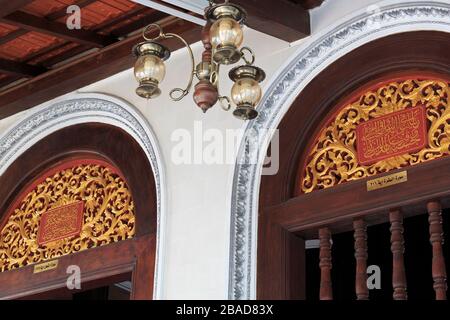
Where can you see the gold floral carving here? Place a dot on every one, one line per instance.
(333, 157)
(108, 215)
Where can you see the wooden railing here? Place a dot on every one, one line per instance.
(399, 283)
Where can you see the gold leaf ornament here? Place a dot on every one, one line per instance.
(108, 215)
(333, 159)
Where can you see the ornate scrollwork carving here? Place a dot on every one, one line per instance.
(333, 159)
(108, 215)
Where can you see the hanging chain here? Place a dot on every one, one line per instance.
(178, 93)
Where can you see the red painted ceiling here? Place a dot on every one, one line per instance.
(103, 17)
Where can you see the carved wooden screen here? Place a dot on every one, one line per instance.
(71, 208)
(395, 141)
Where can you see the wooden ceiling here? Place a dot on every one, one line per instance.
(34, 37)
(41, 58)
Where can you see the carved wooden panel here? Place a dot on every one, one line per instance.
(333, 157)
(108, 213)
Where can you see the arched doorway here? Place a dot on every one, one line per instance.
(296, 205)
(252, 194)
(316, 55)
(102, 181)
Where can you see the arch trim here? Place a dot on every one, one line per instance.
(312, 58)
(78, 108)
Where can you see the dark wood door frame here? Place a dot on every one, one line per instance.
(285, 216)
(425, 181)
(131, 256)
(136, 255)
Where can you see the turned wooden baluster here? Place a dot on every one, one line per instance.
(397, 248)
(437, 239)
(360, 235)
(326, 291)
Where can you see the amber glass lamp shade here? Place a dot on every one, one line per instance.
(246, 92)
(226, 34)
(149, 68)
(226, 37)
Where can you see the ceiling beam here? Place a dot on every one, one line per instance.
(126, 16)
(284, 19)
(309, 4)
(60, 30)
(197, 6)
(172, 10)
(91, 68)
(66, 56)
(279, 18)
(9, 6)
(5, 81)
(139, 23)
(12, 35)
(15, 68)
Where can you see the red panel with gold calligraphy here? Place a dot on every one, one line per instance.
(61, 222)
(77, 205)
(391, 135)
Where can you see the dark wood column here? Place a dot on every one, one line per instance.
(143, 273)
(325, 264)
(437, 240)
(360, 235)
(281, 263)
(398, 248)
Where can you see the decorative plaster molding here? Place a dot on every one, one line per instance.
(45, 119)
(314, 56)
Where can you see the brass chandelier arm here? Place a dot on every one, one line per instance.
(225, 102)
(160, 36)
(175, 94)
(183, 92)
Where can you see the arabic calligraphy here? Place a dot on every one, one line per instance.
(61, 222)
(387, 181)
(391, 135)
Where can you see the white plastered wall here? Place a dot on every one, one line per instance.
(198, 195)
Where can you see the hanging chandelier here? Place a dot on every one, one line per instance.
(222, 38)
